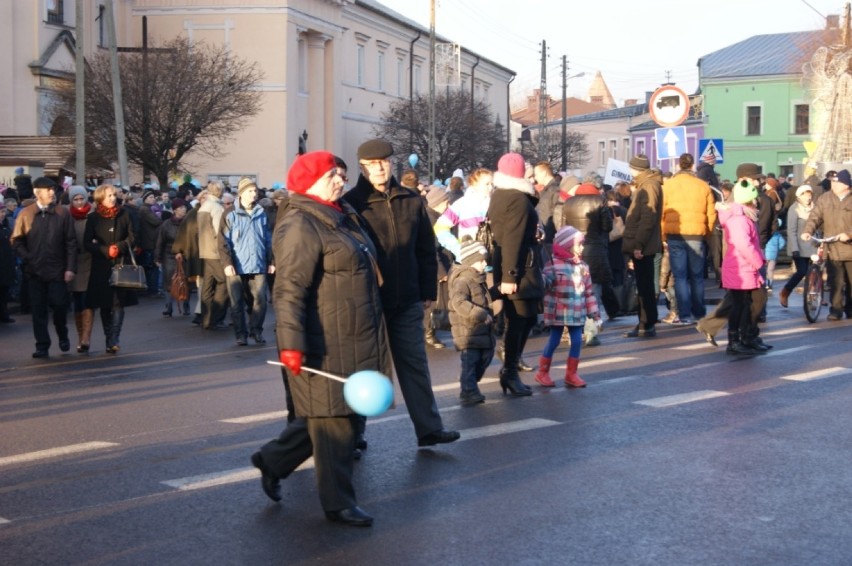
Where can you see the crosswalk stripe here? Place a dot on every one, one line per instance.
(788, 331)
(817, 374)
(215, 479)
(4, 521)
(275, 416)
(53, 452)
(505, 428)
(691, 397)
(786, 351)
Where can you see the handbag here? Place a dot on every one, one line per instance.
(128, 276)
(179, 288)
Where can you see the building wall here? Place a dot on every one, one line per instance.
(777, 148)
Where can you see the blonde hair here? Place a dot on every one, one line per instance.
(478, 174)
(100, 193)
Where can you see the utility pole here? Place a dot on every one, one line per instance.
(542, 101)
(432, 90)
(116, 93)
(564, 152)
(80, 96)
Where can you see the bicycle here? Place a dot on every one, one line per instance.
(814, 292)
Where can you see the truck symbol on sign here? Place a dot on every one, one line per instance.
(668, 101)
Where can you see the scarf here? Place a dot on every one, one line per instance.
(108, 212)
(566, 255)
(333, 205)
(82, 212)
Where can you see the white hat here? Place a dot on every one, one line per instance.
(803, 189)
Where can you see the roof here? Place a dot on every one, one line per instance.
(54, 153)
(573, 107)
(764, 55)
(612, 114)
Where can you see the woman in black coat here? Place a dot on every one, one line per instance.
(517, 262)
(7, 264)
(109, 238)
(329, 316)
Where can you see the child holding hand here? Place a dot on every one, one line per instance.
(568, 300)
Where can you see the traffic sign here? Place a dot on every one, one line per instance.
(669, 106)
(711, 147)
(671, 142)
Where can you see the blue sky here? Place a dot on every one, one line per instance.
(634, 44)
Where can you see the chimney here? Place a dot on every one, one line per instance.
(630, 102)
(832, 21)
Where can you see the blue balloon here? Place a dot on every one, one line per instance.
(368, 393)
(413, 160)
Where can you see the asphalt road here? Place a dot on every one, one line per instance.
(674, 454)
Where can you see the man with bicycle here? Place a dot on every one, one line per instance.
(832, 215)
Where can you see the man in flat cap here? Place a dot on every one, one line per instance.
(399, 226)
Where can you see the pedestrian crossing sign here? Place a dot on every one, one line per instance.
(711, 148)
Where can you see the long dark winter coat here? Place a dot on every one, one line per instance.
(642, 229)
(591, 215)
(327, 304)
(101, 233)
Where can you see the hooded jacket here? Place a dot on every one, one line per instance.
(470, 307)
(743, 257)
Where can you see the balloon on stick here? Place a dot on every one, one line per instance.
(413, 160)
(369, 393)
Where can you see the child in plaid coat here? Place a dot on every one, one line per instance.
(568, 300)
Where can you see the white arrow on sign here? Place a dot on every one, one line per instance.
(671, 140)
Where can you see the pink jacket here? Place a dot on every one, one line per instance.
(743, 258)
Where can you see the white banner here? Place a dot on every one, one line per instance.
(617, 171)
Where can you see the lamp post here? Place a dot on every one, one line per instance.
(565, 79)
(303, 142)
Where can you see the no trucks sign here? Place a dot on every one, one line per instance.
(669, 106)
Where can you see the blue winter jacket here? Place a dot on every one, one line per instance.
(245, 240)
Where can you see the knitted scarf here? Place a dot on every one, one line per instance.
(82, 212)
(108, 212)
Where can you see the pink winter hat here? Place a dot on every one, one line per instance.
(512, 165)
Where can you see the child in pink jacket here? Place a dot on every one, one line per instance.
(742, 263)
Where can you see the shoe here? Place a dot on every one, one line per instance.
(641, 333)
(64, 345)
(40, 354)
(241, 341)
(511, 381)
(524, 366)
(7, 319)
(196, 320)
(471, 398)
(439, 437)
(740, 349)
(834, 317)
(112, 349)
(593, 341)
(783, 296)
(269, 483)
(682, 322)
(669, 318)
(433, 342)
(354, 517)
(185, 313)
(707, 336)
(82, 348)
(360, 442)
(167, 314)
(258, 338)
(357, 454)
(759, 341)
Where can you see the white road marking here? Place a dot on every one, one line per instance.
(703, 345)
(277, 415)
(683, 370)
(505, 428)
(817, 374)
(605, 361)
(789, 350)
(619, 380)
(53, 452)
(682, 398)
(788, 331)
(455, 385)
(215, 479)
(4, 521)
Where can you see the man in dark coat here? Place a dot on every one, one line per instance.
(642, 240)
(405, 243)
(45, 240)
(548, 198)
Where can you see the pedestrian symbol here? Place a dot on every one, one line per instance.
(711, 151)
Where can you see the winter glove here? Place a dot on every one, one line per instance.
(113, 251)
(292, 360)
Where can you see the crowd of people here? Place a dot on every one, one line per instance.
(353, 274)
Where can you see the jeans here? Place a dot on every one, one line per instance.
(776, 243)
(152, 271)
(474, 362)
(802, 264)
(687, 259)
(247, 293)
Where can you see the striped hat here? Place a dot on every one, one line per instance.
(567, 237)
(472, 251)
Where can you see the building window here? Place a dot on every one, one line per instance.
(417, 69)
(303, 66)
(55, 11)
(753, 120)
(381, 71)
(613, 149)
(360, 64)
(625, 148)
(400, 76)
(640, 148)
(802, 119)
(602, 153)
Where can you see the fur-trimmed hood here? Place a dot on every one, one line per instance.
(504, 182)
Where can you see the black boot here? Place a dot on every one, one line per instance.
(737, 348)
(509, 379)
(432, 341)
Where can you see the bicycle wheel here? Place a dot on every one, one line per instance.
(813, 293)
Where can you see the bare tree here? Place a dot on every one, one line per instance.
(576, 152)
(468, 135)
(179, 98)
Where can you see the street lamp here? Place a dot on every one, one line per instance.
(564, 153)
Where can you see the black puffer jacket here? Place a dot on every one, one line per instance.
(591, 215)
(326, 299)
(470, 307)
(405, 242)
(514, 224)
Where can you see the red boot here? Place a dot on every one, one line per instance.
(571, 377)
(543, 374)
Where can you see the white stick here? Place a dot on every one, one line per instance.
(316, 371)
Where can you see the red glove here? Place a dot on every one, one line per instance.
(292, 360)
(113, 251)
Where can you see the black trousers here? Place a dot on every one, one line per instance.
(519, 324)
(214, 293)
(331, 441)
(46, 295)
(644, 269)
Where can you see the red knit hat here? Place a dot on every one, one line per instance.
(587, 189)
(512, 165)
(307, 169)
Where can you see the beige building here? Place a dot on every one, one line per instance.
(331, 68)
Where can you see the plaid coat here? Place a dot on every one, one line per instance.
(568, 298)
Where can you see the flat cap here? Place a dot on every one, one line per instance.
(640, 163)
(375, 149)
(748, 170)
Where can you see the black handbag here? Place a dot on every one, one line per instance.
(128, 276)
